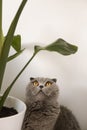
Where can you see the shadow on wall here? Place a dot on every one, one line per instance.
(75, 98)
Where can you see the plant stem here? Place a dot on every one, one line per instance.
(8, 41)
(3, 98)
(1, 32)
(23, 69)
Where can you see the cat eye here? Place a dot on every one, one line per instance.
(35, 83)
(48, 84)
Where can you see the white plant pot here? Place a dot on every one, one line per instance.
(13, 122)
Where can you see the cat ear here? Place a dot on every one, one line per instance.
(31, 78)
(55, 80)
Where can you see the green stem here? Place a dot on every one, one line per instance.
(1, 32)
(8, 41)
(0, 17)
(3, 98)
(23, 69)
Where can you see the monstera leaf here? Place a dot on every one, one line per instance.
(59, 46)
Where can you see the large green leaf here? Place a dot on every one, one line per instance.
(16, 43)
(59, 46)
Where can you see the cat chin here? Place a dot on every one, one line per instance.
(40, 96)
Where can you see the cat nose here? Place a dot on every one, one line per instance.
(41, 86)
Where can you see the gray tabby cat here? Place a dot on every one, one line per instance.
(43, 109)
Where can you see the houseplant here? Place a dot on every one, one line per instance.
(12, 122)
(8, 41)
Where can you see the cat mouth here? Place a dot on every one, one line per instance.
(41, 91)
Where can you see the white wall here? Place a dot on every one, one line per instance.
(42, 22)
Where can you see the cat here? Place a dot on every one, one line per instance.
(43, 109)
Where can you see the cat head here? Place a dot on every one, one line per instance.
(41, 89)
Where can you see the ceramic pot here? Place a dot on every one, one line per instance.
(13, 122)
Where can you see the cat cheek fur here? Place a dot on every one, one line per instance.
(51, 91)
(35, 90)
(47, 91)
